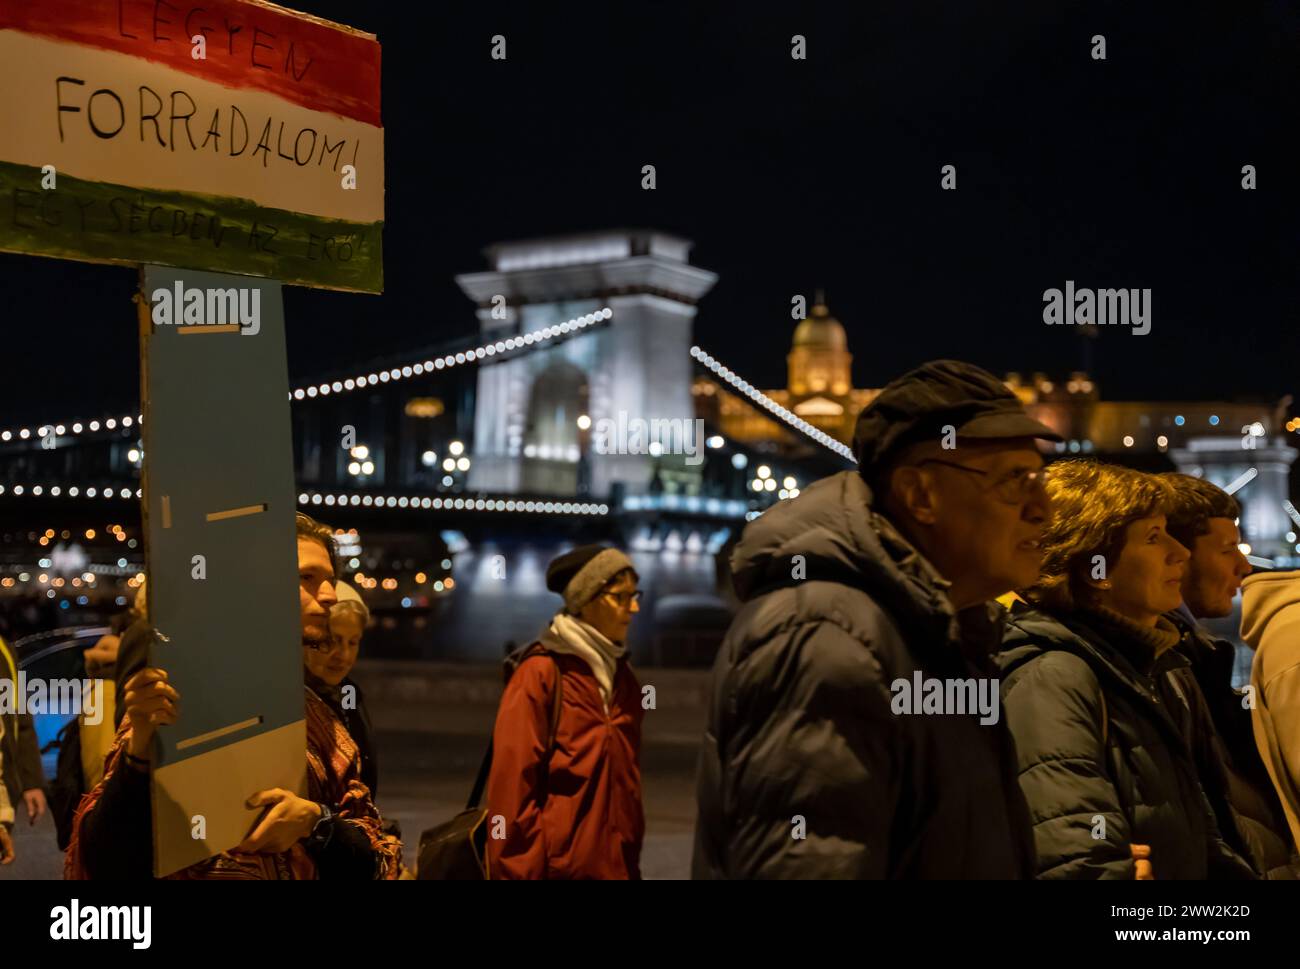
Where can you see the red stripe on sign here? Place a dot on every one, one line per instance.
(249, 44)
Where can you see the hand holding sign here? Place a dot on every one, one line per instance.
(150, 701)
(290, 819)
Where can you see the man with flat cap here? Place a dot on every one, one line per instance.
(844, 739)
(564, 792)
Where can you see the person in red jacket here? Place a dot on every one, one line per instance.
(566, 803)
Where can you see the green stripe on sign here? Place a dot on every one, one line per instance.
(101, 222)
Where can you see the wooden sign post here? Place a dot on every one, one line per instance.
(211, 144)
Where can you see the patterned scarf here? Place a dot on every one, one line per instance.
(333, 777)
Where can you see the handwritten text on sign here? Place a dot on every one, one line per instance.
(159, 164)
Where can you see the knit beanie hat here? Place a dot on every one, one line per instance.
(580, 574)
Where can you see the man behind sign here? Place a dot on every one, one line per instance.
(334, 834)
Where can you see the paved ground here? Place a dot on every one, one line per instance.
(433, 722)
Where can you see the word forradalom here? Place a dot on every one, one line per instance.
(70, 697)
(73, 923)
(146, 107)
(189, 307)
(656, 436)
(931, 695)
(1122, 307)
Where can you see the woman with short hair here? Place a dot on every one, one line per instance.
(1112, 789)
(328, 665)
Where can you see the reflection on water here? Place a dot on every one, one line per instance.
(498, 596)
(501, 597)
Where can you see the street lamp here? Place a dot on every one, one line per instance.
(360, 466)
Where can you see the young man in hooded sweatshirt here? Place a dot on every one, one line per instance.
(1270, 624)
(820, 759)
(564, 792)
(1203, 519)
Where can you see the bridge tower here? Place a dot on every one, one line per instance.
(527, 438)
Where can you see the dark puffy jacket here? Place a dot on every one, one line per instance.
(1233, 774)
(801, 738)
(1100, 733)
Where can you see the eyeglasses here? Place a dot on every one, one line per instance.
(1012, 487)
(328, 645)
(624, 599)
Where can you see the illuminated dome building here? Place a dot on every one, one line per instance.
(820, 385)
(1234, 444)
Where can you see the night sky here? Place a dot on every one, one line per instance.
(790, 175)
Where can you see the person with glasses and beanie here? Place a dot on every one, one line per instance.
(1101, 727)
(816, 761)
(564, 792)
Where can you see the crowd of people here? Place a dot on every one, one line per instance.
(844, 738)
(1122, 749)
